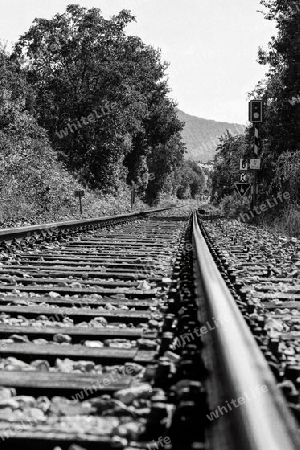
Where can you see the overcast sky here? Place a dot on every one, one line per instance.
(211, 45)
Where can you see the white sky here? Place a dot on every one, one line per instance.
(211, 45)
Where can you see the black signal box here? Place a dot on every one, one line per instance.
(256, 111)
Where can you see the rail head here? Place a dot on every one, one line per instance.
(263, 421)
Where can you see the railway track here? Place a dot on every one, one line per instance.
(256, 292)
(80, 329)
(120, 333)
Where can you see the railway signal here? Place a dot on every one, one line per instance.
(243, 164)
(256, 111)
(256, 117)
(255, 163)
(242, 188)
(243, 177)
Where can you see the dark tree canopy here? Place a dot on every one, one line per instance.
(103, 98)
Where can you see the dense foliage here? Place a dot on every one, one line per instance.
(103, 98)
(280, 131)
(191, 181)
(226, 165)
(33, 183)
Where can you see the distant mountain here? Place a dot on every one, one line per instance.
(201, 135)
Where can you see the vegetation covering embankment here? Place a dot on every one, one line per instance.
(279, 133)
(84, 106)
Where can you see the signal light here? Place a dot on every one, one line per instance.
(256, 111)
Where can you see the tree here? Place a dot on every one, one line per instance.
(226, 164)
(102, 97)
(280, 131)
(191, 181)
(32, 181)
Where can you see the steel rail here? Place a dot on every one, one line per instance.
(262, 422)
(8, 234)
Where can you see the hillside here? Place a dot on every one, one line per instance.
(201, 135)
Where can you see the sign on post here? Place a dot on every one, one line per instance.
(255, 163)
(79, 194)
(243, 177)
(132, 194)
(243, 164)
(242, 188)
